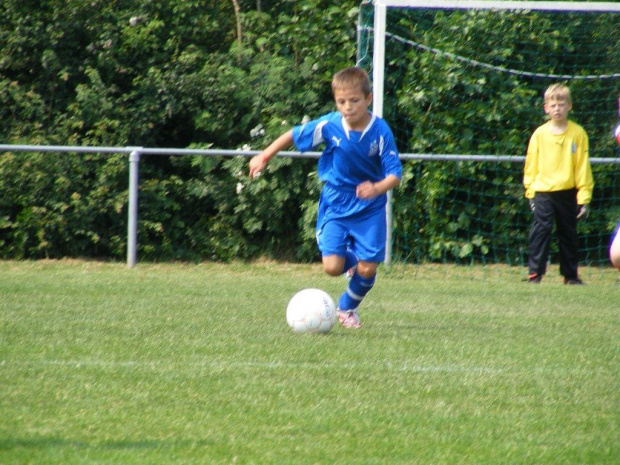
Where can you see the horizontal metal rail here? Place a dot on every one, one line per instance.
(292, 154)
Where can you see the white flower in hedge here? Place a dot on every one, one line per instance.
(257, 131)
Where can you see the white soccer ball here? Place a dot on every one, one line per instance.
(311, 311)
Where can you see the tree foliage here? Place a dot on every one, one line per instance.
(208, 73)
(160, 74)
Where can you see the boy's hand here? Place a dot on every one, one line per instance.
(366, 190)
(257, 164)
(583, 211)
(369, 190)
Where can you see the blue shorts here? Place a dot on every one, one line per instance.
(346, 222)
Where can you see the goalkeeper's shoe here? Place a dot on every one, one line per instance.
(574, 281)
(534, 278)
(349, 319)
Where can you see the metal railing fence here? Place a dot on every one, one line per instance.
(135, 153)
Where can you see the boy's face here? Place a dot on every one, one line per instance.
(558, 110)
(353, 105)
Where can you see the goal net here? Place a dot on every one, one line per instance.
(461, 84)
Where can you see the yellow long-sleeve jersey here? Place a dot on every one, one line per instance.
(559, 162)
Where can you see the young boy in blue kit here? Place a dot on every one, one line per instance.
(359, 164)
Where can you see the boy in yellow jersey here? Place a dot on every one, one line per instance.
(558, 183)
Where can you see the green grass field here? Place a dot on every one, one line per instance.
(178, 363)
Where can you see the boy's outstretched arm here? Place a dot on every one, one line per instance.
(258, 162)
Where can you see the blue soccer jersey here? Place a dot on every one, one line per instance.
(350, 157)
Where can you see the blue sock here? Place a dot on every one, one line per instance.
(356, 290)
(350, 260)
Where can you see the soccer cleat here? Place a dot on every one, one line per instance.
(534, 278)
(574, 281)
(350, 260)
(349, 319)
(350, 272)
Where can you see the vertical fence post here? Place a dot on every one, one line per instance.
(378, 75)
(132, 220)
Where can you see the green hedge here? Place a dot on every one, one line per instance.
(176, 74)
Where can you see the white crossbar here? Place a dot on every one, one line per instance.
(499, 5)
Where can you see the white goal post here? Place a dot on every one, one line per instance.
(379, 34)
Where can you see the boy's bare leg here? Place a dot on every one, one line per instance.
(333, 265)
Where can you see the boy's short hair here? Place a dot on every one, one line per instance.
(557, 92)
(351, 77)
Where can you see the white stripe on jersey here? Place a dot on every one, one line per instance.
(317, 137)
